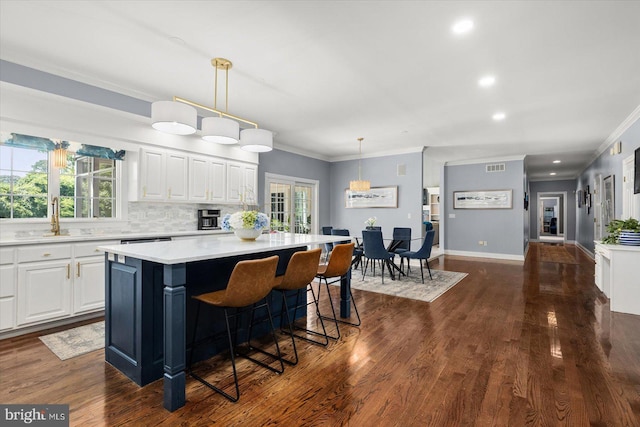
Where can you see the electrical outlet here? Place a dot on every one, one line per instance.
(485, 243)
(409, 215)
(481, 243)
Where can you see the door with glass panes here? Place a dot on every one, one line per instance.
(292, 204)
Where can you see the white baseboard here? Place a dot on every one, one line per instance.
(48, 325)
(586, 251)
(510, 257)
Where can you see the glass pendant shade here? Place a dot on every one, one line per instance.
(359, 185)
(256, 140)
(220, 130)
(174, 117)
(60, 158)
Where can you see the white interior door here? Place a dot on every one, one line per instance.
(597, 208)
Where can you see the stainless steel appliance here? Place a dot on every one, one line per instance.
(208, 219)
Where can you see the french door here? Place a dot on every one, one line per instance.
(292, 204)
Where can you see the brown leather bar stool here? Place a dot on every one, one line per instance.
(301, 271)
(337, 267)
(250, 282)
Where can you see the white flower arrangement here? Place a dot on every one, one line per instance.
(371, 221)
(245, 219)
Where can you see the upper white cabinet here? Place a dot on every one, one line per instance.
(163, 175)
(242, 181)
(207, 180)
(172, 176)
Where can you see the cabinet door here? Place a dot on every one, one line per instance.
(7, 299)
(251, 181)
(177, 176)
(199, 180)
(218, 180)
(152, 176)
(234, 181)
(44, 291)
(88, 285)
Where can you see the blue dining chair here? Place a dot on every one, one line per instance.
(374, 250)
(401, 240)
(421, 254)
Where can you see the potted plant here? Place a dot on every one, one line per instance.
(624, 232)
(247, 225)
(370, 222)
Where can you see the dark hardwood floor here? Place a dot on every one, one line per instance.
(511, 345)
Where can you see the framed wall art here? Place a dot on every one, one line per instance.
(376, 197)
(486, 199)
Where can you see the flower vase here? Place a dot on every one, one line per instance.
(247, 233)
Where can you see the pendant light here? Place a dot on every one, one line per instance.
(220, 129)
(180, 117)
(174, 117)
(360, 184)
(60, 155)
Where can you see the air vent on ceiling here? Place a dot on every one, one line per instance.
(495, 167)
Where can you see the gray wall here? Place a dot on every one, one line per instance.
(294, 165)
(503, 229)
(382, 172)
(605, 165)
(569, 186)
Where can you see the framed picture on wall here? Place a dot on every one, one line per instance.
(608, 205)
(487, 199)
(376, 197)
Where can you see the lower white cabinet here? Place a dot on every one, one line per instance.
(52, 282)
(44, 291)
(88, 286)
(616, 274)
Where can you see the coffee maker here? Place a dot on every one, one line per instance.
(208, 219)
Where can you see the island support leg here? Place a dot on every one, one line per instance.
(345, 295)
(174, 336)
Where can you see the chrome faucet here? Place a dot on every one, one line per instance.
(55, 216)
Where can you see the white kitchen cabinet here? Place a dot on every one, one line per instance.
(58, 280)
(44, 291)
(88, 281)
(218, 180)
(177, 176)
(152, 180)
(207, 180)
(163, 175)
(242, 180)
(198, 179)
(7, 288)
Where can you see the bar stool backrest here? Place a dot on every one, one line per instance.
(301, 270)
(250, 281)
(340, 260)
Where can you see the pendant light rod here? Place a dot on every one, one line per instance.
(360, 160)
(213, 110)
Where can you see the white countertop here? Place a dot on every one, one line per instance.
(211, 247)
(32, 240)
(618, 247)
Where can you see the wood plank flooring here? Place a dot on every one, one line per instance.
(513, 344)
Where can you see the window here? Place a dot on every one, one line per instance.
(24, 183)
(86, 186)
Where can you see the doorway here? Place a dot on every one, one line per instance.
(291, 204)
(552, 217)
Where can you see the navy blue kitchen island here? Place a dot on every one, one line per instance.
(148, 315)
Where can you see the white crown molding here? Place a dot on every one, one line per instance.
(384, 153)
(301, 152)
(617, 133)
(485, 160)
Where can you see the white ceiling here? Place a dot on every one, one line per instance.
(323, 73)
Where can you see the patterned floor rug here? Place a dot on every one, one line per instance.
(555, 253)
(76, 341)
(409, 287)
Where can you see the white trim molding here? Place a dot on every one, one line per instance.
(491, 255)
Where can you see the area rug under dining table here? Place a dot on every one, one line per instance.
(411, 286)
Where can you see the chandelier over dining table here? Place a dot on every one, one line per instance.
(360, 184)
(180, 117)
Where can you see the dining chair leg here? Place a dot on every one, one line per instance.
(421, 271)
(333, 311)
(426, 261)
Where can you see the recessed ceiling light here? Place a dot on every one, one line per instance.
(557, 161)
(486, 81)
(462, 26)
(552, 173)
(499, 116)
